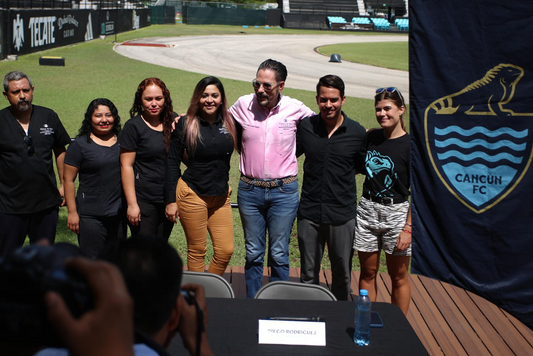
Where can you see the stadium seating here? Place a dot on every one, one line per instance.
(361, 21)
(380, 24)
(340, 15)
(402, 24)
(336, 19)
(345, 8)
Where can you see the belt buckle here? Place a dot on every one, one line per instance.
(387, 201)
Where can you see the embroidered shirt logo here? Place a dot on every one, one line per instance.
(46, 130)
(223, 130)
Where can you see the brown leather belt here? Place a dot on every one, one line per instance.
(269, 183)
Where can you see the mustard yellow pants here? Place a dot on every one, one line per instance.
(200, 214)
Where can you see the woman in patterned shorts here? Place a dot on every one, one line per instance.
(384, 211)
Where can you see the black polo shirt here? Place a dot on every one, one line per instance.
(28, 183)
(208, 166)
(329, 191)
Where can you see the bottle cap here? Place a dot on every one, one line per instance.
(363, 292)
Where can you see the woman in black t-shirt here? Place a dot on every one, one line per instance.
(384, 211)
(144, 143)
(208, 136)
(95, 213)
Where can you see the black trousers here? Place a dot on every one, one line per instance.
(97, 231)
(153, 222)
(15, 227)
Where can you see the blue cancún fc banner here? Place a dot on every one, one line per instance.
(471, 112)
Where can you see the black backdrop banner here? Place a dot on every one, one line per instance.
(471, 112)
(35, 30)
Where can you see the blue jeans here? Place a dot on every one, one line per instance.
(262, 209)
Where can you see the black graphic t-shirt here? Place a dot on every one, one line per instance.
(387, 165)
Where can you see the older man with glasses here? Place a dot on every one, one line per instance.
(268, 188)
(29, 196)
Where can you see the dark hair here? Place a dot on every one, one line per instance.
(152, 270)
(192, 130)
(167, 114)
(396, 97)
(86, 128)
(14, 76)
(278, 67)
(330, 81)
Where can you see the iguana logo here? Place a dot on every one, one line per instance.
(480, 161)
(381, 168)
(485, 96)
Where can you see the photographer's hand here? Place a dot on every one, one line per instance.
(108, 328)
(188, 324)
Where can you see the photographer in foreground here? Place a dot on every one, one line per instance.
(152, 270)
(105, 330)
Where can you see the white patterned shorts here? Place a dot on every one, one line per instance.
(378, 227)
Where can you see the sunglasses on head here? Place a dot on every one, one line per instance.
(391, 90)
(267, 86)
(29, 141)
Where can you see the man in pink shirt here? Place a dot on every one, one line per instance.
(268, 189)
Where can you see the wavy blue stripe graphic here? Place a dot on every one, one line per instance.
(482, 155)
(482, 130)
(482, 143)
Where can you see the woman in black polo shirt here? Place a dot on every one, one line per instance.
(144, 143)
(95, 213)
(384, 211)
(207, 136)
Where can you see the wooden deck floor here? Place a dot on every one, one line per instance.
(447, 319)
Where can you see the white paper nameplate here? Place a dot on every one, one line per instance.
(283, 332)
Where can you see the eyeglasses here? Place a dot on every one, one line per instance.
(29, 141)
(391, 90)
(267, 86)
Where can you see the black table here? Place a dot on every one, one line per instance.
(233, 327)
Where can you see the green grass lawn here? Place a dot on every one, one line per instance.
(94, 70)
(393, 55)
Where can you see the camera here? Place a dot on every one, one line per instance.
(25, 276)
(188, 296)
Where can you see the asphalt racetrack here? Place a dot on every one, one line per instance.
(238, 56)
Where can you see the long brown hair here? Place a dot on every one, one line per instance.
(394, 95)
(192, 127)
(167, 113)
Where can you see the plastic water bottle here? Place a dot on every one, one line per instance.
(363, 305)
